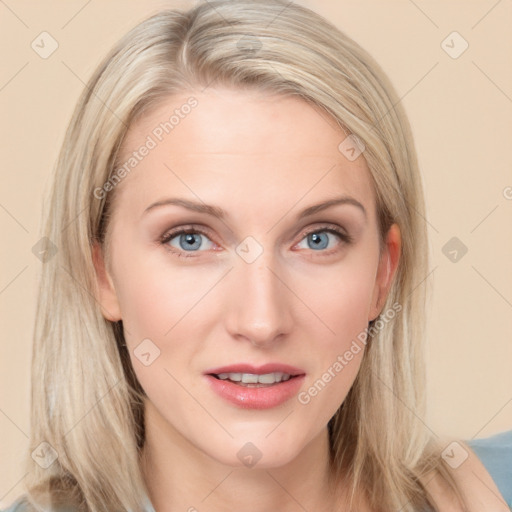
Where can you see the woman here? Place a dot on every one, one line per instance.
(233, 318)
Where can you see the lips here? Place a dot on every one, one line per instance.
(241, 384)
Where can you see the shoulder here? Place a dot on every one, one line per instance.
(20, 505)
(482, 471)
(495, 453)
(23, 505)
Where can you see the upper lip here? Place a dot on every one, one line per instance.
(258, 370)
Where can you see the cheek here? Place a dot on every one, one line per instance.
(341, 298)
(143, 303)
(154, 296)
(342, 304)
(164, 309)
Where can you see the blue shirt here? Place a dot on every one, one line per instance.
(495, 452)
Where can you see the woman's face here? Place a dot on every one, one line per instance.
(265, 275)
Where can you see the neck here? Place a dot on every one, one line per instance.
(180, 477)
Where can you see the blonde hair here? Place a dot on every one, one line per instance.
(86, 401)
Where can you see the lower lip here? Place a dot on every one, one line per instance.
(256, 398)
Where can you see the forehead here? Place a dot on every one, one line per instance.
(235, 146)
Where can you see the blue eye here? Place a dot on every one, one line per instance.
(319, 239)
(188, 240)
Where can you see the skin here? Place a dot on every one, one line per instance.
(475, 484)
(263, 159)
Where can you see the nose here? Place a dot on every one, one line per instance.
(260, 302)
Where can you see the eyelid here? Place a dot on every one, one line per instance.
(329, 227)
(184, 228)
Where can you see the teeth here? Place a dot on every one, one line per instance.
(270, 378)
(253, 378)
(249, 378)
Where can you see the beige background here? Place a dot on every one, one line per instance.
(461, 113)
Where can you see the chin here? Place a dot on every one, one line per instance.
(259, 453)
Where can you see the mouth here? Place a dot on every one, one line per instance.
(251, 387)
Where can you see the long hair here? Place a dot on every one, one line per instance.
(87, 414)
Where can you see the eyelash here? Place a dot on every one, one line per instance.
(328, 228)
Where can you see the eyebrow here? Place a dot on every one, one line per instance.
(219, 213)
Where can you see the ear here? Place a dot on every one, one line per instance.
(107, 297)
(387, 267)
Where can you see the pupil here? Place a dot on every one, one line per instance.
(317, 240)
(190, 241)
